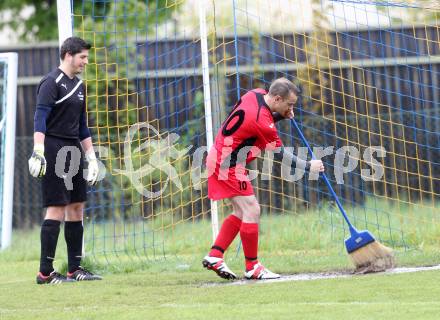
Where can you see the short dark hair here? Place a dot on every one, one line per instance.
(73, 45)
(282, 87)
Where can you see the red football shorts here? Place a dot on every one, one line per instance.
(229, 183)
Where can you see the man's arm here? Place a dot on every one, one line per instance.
(84, 134)
(46, 98)
(87, 146)
(39, 138)
(282, 153)
(41, 114)
(37, 161)
(315, 166)
(93, 167)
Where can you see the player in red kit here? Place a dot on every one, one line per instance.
(247, 131)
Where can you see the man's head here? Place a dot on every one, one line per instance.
(282, 97)
(74, 53)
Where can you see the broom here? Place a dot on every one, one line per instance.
(367, 254)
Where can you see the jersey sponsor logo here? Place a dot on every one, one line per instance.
(271, 125)
(64, 86)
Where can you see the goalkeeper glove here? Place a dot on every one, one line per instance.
(37, 162)
(92, 169)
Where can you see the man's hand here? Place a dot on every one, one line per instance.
(316, 166)
(37, 162)
(92, 168)
(289, 114)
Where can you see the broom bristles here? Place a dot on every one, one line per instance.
(373, 257)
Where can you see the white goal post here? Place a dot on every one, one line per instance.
(8, 77)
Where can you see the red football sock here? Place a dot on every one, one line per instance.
(227, 234)
(249, 238)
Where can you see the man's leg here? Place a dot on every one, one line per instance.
(73, 234)
(222, 189)
(50, 229)
(214, 260)
(249, 232)
(228, 231)
(55, 197)
(249, 227)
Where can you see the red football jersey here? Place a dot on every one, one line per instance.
(247, 131)
(250, 128)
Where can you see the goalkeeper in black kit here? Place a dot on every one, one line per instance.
(60, 133)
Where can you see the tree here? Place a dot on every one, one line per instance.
(32, 20)
(35, 20)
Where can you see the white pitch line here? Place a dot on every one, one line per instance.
(320, 276)
(412, 269)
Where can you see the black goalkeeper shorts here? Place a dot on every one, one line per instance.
(63, 182)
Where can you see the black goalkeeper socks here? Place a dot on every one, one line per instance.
(73, 233)
(50, 229)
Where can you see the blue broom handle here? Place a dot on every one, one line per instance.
(327, 182)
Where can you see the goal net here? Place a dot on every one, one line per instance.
(368, 72)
